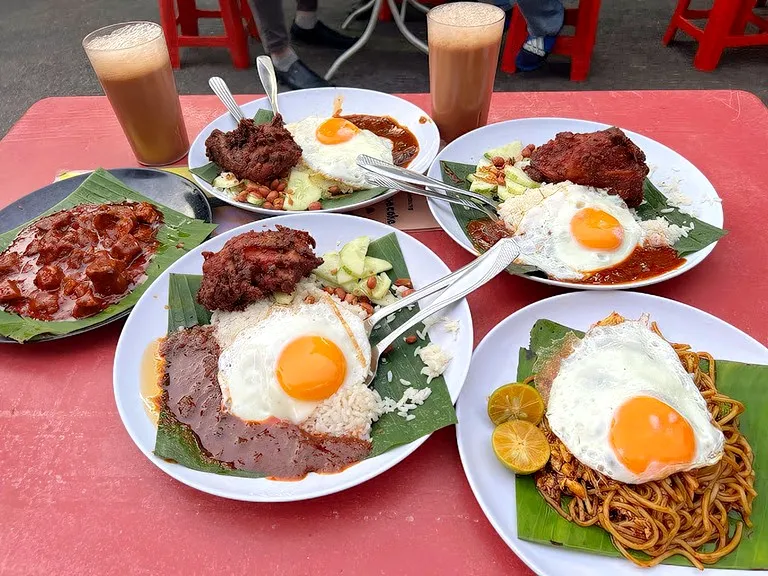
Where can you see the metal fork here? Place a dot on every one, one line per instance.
(404, 176)
(386, 182)
(503, 254)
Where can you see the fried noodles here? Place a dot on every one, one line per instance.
(677, 515)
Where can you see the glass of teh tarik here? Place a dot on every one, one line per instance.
(464, 40)
(131, 61)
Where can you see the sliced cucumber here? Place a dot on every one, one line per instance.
(510, 190)
(374, 266)
(350, 286)
(255, 200)
(382, 287)
(386, 300)
(508, 151)
(353, 255)
(328, 269)
(519, 176)
(482, 187)
(226, 180)
(282, 298)
(344, 277)
(304, 191)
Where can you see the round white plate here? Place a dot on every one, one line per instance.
(299, 104)
(667, 168)
(495, 363)
(149, 318)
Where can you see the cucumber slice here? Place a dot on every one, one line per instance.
(519, 176)
(508, 151)
(388, 299)
(353, 255)
(255, 200)
(374, 266)
(344, 277)
(226, 180)
(510, 190)
(328, 269)
(382, 286)
(482, 187)
(282, 298)
(304, 191)
(350, 286)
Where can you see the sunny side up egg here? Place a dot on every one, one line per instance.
(623, 404)
(292, 361)
(330, 147)
(572, 230)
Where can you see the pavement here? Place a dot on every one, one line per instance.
(41, 54)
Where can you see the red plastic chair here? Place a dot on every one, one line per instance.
(578, 47)
(725, 28)
(235, 38)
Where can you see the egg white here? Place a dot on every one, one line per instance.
(247, 367)
(545, 238)
(609, 366)
(339, 161)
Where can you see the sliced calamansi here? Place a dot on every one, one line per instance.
(520, 446)
(515, 402)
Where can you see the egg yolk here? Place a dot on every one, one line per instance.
(596, 229)
(336, 131)
(647, 431)
(311, 368)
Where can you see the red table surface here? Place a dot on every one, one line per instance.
(77, 496)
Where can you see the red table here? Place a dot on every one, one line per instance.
(77, 497)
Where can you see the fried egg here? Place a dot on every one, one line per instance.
(292, 361)
(624, 405)
(330, 147)
(570, 231)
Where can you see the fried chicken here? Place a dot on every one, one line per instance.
(604, 159)
(257, 152)
(253, 265)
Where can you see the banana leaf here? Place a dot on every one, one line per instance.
(748, 383)
(176, 441)
(209, 171)
(177, 236)
(655, 206)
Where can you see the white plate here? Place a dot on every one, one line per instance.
(667, 166)
(299, 104)
(495, 363)
(149, 319)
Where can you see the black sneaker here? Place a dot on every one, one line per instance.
(300, 76)
(321, 35)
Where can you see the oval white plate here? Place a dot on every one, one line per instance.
(299, 104)
(149, 318)
(494, 365)
(666, 166)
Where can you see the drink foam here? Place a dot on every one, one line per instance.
(128, 52)
(464, 25)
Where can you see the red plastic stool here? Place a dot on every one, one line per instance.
(232, 12)
(578, 47)
(725, 28)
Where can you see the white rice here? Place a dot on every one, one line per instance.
(411, 399)
(435, 361)
(349, 412)
(660, 232)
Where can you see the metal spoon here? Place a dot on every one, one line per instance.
(268, 80)
(504, 253)
(221, 90)
(435, 286)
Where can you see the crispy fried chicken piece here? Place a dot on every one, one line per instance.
(258, 152)
(253, 265)
(604, 159)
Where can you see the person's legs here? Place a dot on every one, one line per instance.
(308, 29)
(274, 35)
(545, 20)
(544, 17)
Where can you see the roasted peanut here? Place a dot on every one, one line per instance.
(367, 307)
(281, 186)
(404, 282)
(275, 183)
(410, 339)
(498, 161)
(341, 293)
(309, 299)
(315, 206)
(371, 282)
(334, 190)
(267, 205)
(272, 196)
(408, 292)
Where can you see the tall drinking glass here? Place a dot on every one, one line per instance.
(131, 61)
(464, 40)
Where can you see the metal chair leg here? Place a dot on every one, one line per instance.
(362, 41)
(356, 13)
